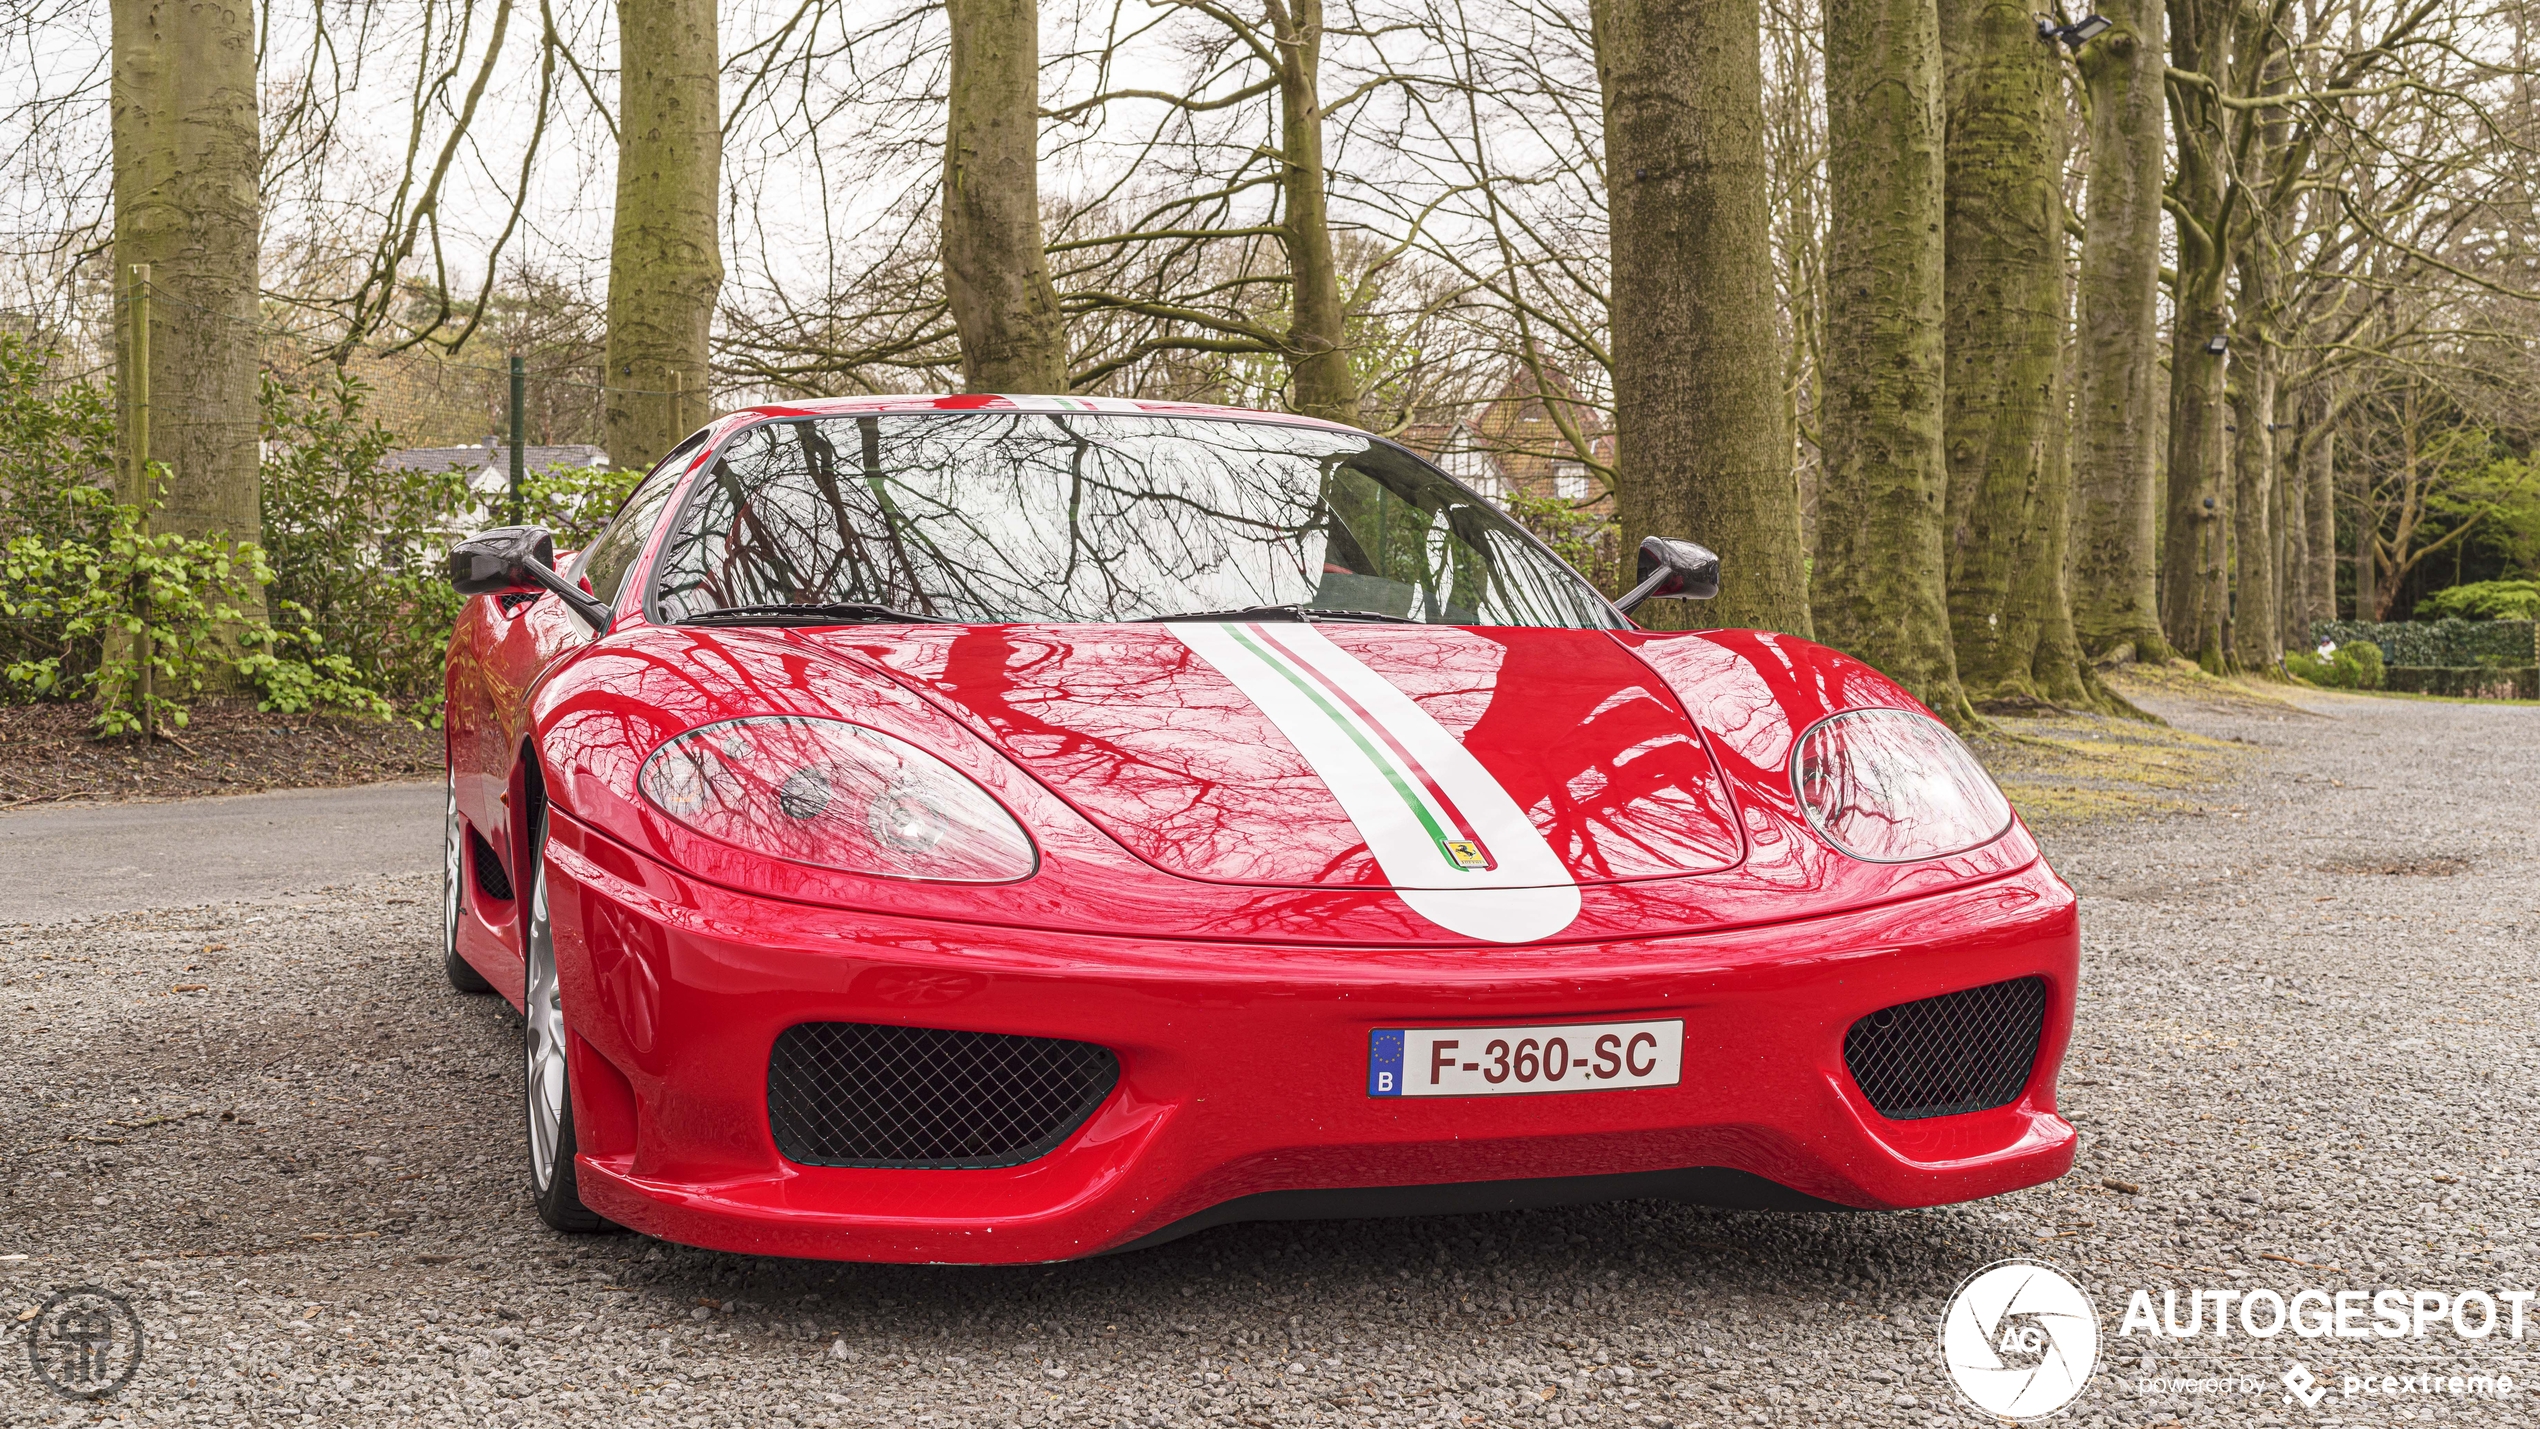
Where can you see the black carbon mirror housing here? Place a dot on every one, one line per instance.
(510, 558)
(1669, 569)
(490, 562)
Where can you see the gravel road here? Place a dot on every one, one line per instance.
(2306, 1059)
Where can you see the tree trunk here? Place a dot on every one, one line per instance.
(185, 155)
(1321, 381)
(2367, 588)
(1879, 591)
(1702, 451)
(2003, 339)
(2116, 411)
(2194, 580)
(1013, 338)
(2293, 532)
(2253, 611)
(2319, 511)
(665, 255)
(2192, 548)
(2256, 608)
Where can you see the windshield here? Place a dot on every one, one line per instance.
(1008, 516)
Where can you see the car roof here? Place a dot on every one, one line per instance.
(994, 402)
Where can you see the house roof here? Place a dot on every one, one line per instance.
(492, 456)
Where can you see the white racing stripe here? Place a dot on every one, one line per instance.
(1451, 842)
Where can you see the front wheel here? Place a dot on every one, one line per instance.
(548, 1092)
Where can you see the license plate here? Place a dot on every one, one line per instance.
(1506, 1061)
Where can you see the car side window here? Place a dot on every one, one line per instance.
(605, 565)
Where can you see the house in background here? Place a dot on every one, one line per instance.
(489, 466)
(489, 469)
(1514, 446)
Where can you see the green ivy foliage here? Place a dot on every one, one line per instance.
(2485, 600)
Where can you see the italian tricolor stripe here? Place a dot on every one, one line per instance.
(1410, 779)
(1450, 840)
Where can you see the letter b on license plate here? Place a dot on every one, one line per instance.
(1501, 1061)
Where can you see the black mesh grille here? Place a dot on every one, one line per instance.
(1959, 1052)
(856, 1094)
(490, 879)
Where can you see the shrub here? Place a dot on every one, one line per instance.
(574, 501)
(2485, 600)
(131, 601)
(356, 550)
(57, 463)
(1586, 539)
(2355, 665)
(293, 673)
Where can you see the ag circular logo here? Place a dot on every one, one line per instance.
(85, 1342)
(2020, 1340)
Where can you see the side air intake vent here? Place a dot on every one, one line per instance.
(859, 1094)
(490, 879)
(1959, 1052)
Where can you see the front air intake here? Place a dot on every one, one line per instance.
(1959, 1052)
(860, 1094)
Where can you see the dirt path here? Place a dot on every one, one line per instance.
(2306, 1059)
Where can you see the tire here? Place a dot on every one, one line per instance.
(453, 892)
(546, 1088)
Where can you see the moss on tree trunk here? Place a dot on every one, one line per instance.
(1879, 591)
(2117, 389)
(2009, 482)
(185, 155)
(1703, 449)
(2196, 520)
(665, 253)
(996, 276)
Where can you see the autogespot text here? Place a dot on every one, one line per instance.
(2319, 1314)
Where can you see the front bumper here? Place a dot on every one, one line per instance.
(1243, 1069)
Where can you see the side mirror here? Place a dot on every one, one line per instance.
(1673, 570)
(520, 558)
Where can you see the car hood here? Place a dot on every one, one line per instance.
(1410, 757)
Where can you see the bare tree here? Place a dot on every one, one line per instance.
(1880, 582)
(665, 253)
(2117, 398)
(1703, 449)
(996, 276)
(186, 205)
(2009, 485)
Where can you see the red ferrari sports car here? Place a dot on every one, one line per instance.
(1006, 829)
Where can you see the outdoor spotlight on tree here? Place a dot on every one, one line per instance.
(2075, 35)
(2217, 345)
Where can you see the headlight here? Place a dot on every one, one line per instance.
(836, 795)
(1891, 786)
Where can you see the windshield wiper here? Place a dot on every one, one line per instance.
(1306, 613)
(813, 613)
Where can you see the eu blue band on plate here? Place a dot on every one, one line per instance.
(1384, 1063)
